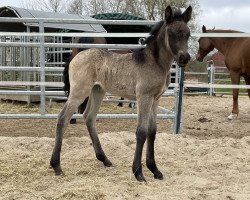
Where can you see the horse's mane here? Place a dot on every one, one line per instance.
(153, 32)
(139, 55)
(222, 31)
(157, 27)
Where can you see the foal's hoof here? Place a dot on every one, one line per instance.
(107, 163)
(58, 170)
(232, 116)
(102, 157)
(158, 175)
(139, 177)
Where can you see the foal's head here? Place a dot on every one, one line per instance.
(177, 33)
(205, 46)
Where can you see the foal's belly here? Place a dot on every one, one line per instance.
(117, 81)
(119, 88)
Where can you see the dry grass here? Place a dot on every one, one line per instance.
(13, 107)
(209, 160)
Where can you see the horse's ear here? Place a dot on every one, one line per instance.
(168, 15)
(187, 14)
(204, 29)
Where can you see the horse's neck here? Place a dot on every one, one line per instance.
(222, 44)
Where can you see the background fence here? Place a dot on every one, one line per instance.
(26, 69)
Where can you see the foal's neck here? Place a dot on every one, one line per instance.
(161, 53)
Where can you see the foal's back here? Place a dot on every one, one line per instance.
(119, 74)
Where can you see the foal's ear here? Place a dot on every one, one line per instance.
(204, 29)
(187, 14)
(168, 15)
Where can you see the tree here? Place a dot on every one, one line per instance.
(148, 9)
(76, 7)
(45, 5)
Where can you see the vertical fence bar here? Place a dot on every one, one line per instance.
(179, 101)
(211, 78)
(42, 65)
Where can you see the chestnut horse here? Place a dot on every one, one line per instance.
(143, 75)
(237, 58)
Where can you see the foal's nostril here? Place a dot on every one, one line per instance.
(184, 58)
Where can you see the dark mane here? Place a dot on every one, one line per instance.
(177, 15)
(139, 55)
(222, 31)
(153, 32)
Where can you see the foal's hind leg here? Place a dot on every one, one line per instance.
(90, 113)
(150, 159)
(63, 120)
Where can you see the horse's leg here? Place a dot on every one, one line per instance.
(90, 113)
(144, 108)
(150, 159)
(63, 120)
(235, 78)
(121, 103)
(247, 81)
(83, 106)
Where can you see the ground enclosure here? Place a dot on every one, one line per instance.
(209, 160)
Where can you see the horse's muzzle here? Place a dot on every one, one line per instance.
(199, 58)
(183, 59)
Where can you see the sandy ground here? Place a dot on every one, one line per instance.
(209, 160)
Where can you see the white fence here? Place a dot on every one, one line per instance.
(40, 45)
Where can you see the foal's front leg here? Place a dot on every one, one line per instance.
(144, 108)
(150, 159)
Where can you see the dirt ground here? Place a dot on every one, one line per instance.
(210, 159)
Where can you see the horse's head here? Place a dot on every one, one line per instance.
(178, 33)
(205, 46)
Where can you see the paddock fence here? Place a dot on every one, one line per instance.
(216, 81)
(25, 68)
(37, 77)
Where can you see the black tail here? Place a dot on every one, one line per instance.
(66, 87)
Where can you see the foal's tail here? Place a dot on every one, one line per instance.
(66, 87)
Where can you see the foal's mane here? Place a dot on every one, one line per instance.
(157, 27)
(153, 32)
(151, 41)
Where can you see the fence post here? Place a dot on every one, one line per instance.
(179, 99)
(42, 66)
(210, 70)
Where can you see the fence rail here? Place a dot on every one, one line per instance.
(38, 42)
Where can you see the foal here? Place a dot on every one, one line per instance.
(143, 75)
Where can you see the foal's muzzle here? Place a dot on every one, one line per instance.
(183, 59)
